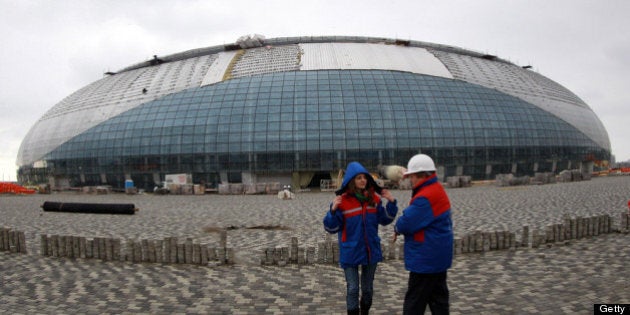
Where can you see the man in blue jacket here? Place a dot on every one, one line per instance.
(355, 214)
(428, 230)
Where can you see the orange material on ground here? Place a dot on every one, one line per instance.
(10, 188)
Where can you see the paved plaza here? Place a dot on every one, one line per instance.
(566, 277)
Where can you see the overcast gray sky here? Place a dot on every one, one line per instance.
(50, 49)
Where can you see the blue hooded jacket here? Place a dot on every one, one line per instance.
(356, 222)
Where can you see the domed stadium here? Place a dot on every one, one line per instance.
(297, 110)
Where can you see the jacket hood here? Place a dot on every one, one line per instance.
(354, 169)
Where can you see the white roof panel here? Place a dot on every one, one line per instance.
(318, 56)
(218, 68)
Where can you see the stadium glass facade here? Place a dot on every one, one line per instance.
(293, 124)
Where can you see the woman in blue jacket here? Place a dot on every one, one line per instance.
(354, 215)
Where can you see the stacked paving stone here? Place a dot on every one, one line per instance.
(12, 241)
(575, 228)
(393, 251)
(503, 180)
(480, 241)
(573, 176)
(459, 181)
(171, 251)
(328, 251)
(282, 256)
(624, 225)
(477, 241)
(79, 247)
(270, 188)
(168, 250)
(544, 178)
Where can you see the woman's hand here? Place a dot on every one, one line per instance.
(335, 204)
(387, 195)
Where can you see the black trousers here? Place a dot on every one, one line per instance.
(426, 289)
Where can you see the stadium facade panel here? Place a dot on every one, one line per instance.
(296, 110)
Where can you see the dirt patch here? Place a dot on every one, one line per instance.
(270, 227)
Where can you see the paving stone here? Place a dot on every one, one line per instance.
(567, 278)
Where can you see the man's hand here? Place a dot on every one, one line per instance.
(394, 237)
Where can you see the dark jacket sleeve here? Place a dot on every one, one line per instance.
(387, 214)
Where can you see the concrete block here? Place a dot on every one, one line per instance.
(301, 256)
(203, 254)
(188, 251)
(525, 236)
(310, 255)
(294, 250)
(43, 244)
(159, 251)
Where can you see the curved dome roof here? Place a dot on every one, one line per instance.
(155, 79)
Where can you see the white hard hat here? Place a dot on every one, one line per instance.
(420, 163)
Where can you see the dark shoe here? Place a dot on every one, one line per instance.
(353, 312)
(365, 309)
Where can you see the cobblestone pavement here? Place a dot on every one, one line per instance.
(566, 278)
